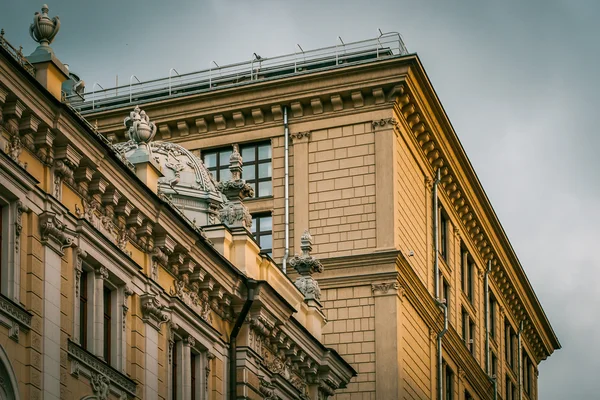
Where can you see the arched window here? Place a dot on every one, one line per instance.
(9, 387)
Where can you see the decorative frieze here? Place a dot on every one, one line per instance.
(103, 378)
(14, 317)
(384, 288)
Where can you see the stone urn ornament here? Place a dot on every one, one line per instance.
(140, 129)
(43, 30)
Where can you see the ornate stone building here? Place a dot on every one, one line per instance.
(423, 293)
(127, 271)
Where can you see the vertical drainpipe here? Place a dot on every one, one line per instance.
(251, 285)
(520, 358)
(441, 303)
(286, 189)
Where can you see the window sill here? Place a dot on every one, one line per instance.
(95, 369)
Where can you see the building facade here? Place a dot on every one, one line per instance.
(400, 244)
(127, 271)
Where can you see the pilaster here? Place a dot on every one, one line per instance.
(385, 187)
(388, 336)
(300, 195)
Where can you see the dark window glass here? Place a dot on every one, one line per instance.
(257, 168)
(448, 387)
(468, 395)
(443, 235)
(467, 269)
(193, 361)
(445, 292)
(107, 324)
(509, 390)
(494, 361)
(83, 312)
(493, 308)
(262, 228)
(174, 372)
(217, 162)
(472, 336)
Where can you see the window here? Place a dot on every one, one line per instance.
(468, 331)
(527, 373)
(257, 168)
(493, 308)
(512, 390)
(444, 235)
(467, 268)
(445, 291)
(107, 324)
(510, 339)
(174, 372)
(448, 383)
(217, 162)
(262, 228)
(1, 242)
(494, 366)
(83, 310)
(468, 395)
(193, 361)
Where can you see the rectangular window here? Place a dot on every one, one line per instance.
(448, 383)
(510, 344)
(217, 162)
(107, 324)
(257, 169)
(493, 310)
(174, 372)
(83, 309)
(445, 291)
(468, 331)
(467, 269)
(509, 389)
(193, 368)
(494, 366)
(444, 235)
(262, 228)
(527, 373)
(468, 395)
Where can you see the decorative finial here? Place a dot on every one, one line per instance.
(139, 127)
(234, 212)
(306, 265)
(235, 163)
(43, 30)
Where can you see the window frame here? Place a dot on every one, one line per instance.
(468, 331)
(107, 328)
(256, 218)
(255, 182)
(443, 234)
(448, 382)
(257, 162)
(492, 316)
(467, 274)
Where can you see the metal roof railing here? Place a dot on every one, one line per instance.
(16, 54)
(258, 68)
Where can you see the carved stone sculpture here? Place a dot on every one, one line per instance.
(140, 129)
(43, 30)
(234, 212)
(306, 265)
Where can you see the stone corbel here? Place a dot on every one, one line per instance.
(52, 228)
(158, 258)
(337, 103)
(258, 116)
(66, 161)
(28, 126)
(12, 113)
(153, 313)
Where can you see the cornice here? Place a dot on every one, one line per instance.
(420, 110)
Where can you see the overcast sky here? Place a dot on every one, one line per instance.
(518, 80)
